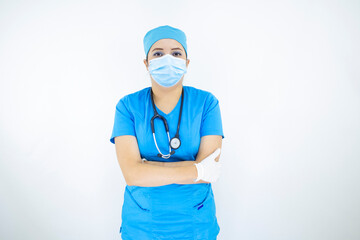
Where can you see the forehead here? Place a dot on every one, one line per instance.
(167, 43)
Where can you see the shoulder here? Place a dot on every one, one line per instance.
(200, 95)
(134, 98)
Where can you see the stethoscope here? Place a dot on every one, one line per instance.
(175, 141)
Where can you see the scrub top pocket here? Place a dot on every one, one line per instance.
(136, 217)
(204, 216)
(139, 199)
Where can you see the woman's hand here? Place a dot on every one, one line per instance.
(209, 169)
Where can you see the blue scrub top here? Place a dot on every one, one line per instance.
(190, 207)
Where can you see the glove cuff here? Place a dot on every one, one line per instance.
(200, 171)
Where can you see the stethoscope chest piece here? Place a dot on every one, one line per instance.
(175, 143)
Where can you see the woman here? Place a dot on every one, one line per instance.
(168, 173)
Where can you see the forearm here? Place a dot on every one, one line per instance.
(151, 175)
(171, 164)
(177, 164)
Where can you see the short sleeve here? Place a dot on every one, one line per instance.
(211, 123)
(123, 121)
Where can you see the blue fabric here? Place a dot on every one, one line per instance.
(173, 211)
(164, 32)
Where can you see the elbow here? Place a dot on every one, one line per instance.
(131, 175)
(128, 181)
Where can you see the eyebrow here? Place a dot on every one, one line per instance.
(163, 49)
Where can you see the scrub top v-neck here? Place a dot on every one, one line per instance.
(178, 104)
(183, 211)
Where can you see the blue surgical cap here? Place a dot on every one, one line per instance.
(164, 32)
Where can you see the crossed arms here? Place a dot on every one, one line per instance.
(154, 173)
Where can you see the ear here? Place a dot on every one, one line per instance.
(146, 64)
(187, 62)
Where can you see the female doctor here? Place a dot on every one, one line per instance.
(168, 139)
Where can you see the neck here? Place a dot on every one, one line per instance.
(166, 94)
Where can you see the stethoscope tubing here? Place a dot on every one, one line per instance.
(156, 114)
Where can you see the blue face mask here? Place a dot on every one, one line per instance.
(167, 70)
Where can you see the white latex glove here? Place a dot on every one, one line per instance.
(208, 169)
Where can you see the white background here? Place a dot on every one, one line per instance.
(286, 73)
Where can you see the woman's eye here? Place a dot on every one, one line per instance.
(177, 53)
(157, 54)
